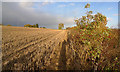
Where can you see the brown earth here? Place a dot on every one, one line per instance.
(32, 48)
(48, 49)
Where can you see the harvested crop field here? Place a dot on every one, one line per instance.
(49, 49)
(31, 48)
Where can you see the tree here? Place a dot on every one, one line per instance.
(61, 26)
(34, 26)
(27, 25)
(9, 25)
(44, 27)
(37, 25)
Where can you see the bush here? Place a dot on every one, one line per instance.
(91, 34)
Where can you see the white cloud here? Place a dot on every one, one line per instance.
(64, 0)
(16, 15)
(110, 8)
(30, 3)
(68, 21)
(62, 5)
(21, 0)
(72, 4)
(46, 3)
(26, 4)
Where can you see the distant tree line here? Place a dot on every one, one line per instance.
(27, 25)
(35, 26)
(6, 25)
(9, 25)
(42, 27)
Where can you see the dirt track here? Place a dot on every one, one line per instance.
(32, 48)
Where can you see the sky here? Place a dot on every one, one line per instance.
(50, 14)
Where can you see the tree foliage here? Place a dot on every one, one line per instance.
(87, 6)
(42, 27)
(61, 26)
(9, 25)
(27, 25)
(35, 26)
(92, 34)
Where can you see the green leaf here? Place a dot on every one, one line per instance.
(90, 12)
(87, 6)
(98, 56)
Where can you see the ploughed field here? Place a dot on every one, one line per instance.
(49, 49)
(32, 48)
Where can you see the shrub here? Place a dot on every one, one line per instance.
(92, 33)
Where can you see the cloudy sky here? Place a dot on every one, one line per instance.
(50, 14)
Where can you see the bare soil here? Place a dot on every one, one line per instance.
(32, 48)
(48, 49)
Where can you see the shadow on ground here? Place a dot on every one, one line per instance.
(62, 58)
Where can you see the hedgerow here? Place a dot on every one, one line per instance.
(90, 34)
